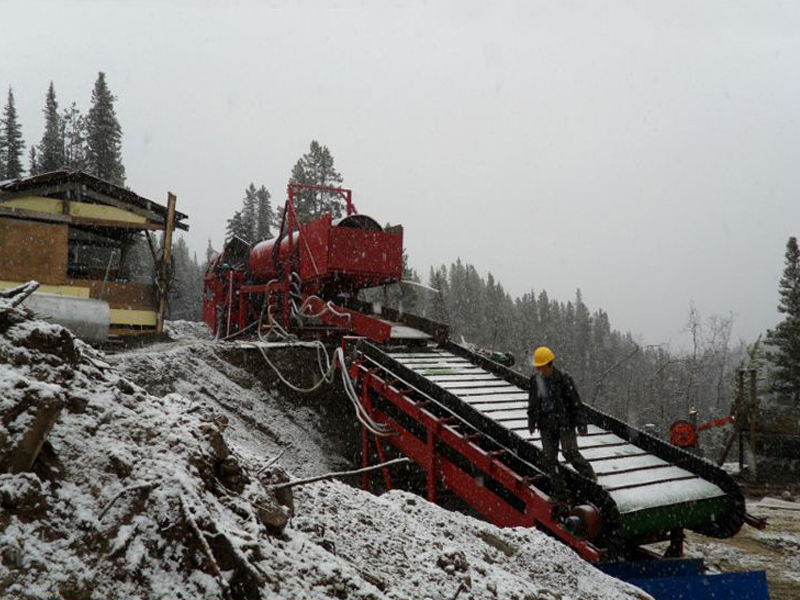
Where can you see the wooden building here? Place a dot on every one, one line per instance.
(83, 237)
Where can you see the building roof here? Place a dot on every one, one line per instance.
(77, 185)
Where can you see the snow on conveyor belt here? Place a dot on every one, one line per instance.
(635, 479)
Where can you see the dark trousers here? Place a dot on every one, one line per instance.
(552, 434)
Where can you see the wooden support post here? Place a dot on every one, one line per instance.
(752, 410)
(738, 414)
(165, 263)
(21, 459)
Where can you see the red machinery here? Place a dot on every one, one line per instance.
(458, 414)
(302, 270)
(684, 433)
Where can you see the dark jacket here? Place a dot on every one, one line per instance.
(568, 409)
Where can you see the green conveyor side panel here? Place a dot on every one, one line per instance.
(663, 519)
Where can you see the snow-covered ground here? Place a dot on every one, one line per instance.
(150, 485)
(775, 549)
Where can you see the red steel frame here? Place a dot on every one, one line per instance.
(538, 509)
(229, 290)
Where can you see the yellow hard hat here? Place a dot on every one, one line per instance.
(542, 356)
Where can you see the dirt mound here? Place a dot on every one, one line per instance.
(141, 495)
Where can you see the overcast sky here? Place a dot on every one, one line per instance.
(645, 152)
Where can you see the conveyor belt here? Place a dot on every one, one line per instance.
(655, 488)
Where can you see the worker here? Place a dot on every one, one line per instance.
(555, 408)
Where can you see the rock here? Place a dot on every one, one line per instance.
(285, 496)
(125, 386)
(212, 435)
(498, 543)
(274, 516)
(452, 560)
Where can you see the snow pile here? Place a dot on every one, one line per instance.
(261, 422)
(411, 548)
(191, 330)
(138, 495)
(132, 495)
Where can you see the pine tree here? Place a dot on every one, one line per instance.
(265, 217)
(210, 252)
(13, 146)
(249, 212)
(104, 136)
(437, 279)
(785, 338)
(237, 227)
(316, 168)
(33, 162)
(73, 124)
(51, 148)
(3, 146)
(583, 336)
(186, 293)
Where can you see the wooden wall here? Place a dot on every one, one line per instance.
(127, 296)
(30, 250)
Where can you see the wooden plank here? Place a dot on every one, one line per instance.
(146, 318)
(57, 206)
(426, 372)
(121, 204)
(116, 224)
(461, 377)
(618, 451)
(39, 191)
(104, 213)
(606, 467)
(493, 386)
(465, 393)
(512, 414)
(34, 215)
(21, 459)
(77, 291)
(60, 218)
(496, 399)
(620, 478)
(433, 354)
(500, 406)
(164, 280)
(35, 204)
(427, 362)
(602, 438)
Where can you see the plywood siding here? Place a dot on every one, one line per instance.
(124, 296)
(31, 250)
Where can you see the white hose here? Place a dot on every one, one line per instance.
(327, 366)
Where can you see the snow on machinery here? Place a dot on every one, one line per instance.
(456, 412)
